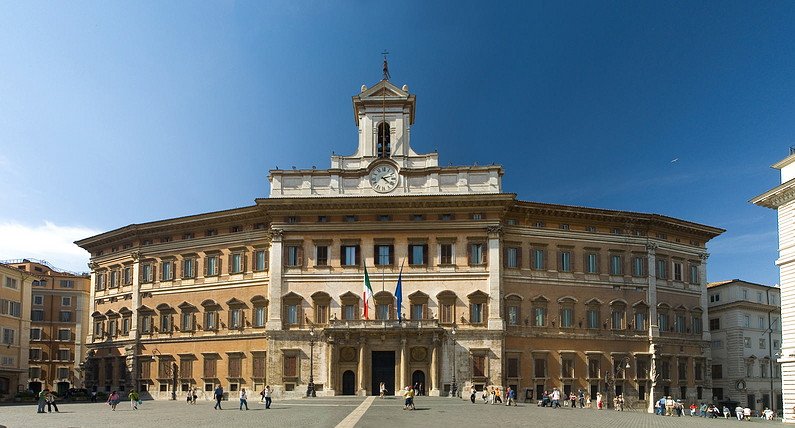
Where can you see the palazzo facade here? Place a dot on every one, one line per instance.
(494, 290)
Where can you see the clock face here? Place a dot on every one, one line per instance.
(384, 178)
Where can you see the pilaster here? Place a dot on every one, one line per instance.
(651, 254)
(495, 274)
(275, 292)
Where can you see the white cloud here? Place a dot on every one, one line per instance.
(47, 241)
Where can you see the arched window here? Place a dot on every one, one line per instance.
(383, 148)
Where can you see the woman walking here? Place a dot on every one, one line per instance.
(113, 400)
(50, 398)
(243, 399)
(266, 396)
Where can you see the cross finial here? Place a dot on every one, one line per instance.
(386, 65)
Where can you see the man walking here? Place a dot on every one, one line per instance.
(42, 401)
(134, 399)
(219, 395)
(266, 395)
(243, 399)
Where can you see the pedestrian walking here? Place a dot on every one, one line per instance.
(42, 400)
(266, 395)
(113, 400)
(219, 395)
(243, 399)
(599, 402)
(134, 398)
(194, 396)
(582, 398)
(738, 412)
(382, 390)
(726, 413)
(50, 398)
(472, 393)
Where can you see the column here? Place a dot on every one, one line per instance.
(275, 281)
(331, 358)
(404, 366)
(495, 272)
(91, 306)
(703, 301)
(651, 251)
(136, 303)
(434, 387)
(362, 384)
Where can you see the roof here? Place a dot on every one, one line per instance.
(732, 281)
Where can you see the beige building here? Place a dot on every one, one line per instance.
(59, 320)
(494, 290)
(744, 322)
(15, 286)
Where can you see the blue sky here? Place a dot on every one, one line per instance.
(114, 113)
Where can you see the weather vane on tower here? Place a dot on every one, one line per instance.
(386, 65)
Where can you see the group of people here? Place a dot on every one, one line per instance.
(408, 394)
(218, 394)
(667, 406)
(494, 395)
(46, 397)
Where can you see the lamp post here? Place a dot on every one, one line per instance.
(453, 387)
(610, 378)
(310, 389)
(171, 372)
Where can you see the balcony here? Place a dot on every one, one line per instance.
(391, 325)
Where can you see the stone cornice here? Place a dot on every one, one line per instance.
(776, 197)
(360, 204)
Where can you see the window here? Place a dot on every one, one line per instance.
(538, 259)
(114, 279)
(11, 283)
(746, 321)
(186, 321)
(237, 262)
(349, 255)
(417, 311)
(698, 370)
(476, 254)
(38, 299)
(210, 369)
(567, 317)
(567, 368)
(617, 318)
(762, 323)
(665, 369)
(290, 364)
(321, 255)
(211, 320)
(539, 316)
(236, 318)
(679, 323)
(446, 254)
(127, 275)
(211, 266)
(260, 316)
(166, 326)
(539, 224)
(776, 344)
(291, 219)
(662, 322)
(591, 263)
(8, 336)
(384, 254)
(749, 369)
(235, 363)
(418, 254)
(642, 369)
(698, 328)
(37, 315)
(211, 232)
(745, 294)
(188, 267)
(65, 316)
(147, 270)
(146, 324)
(714, 324)
(759, 297)
(511, 222)
(616, 263)
(593, 369)
(682, 370)
(64, 334)
(292, 314)
(67, 283)
(694, 274)
(746, 342)
(640, 319)
(35, 333)
(383, 144)
(66, 301)
(260, 261)
(35, 354)
(447, 313)
(592, 316)
(321, 313)
(384, 217)
(714, 298)
(513, 314)
(512, 367)
(34, 372)
(540, 368)
(64, 355)
(762, 343)
(477, 216)
(590, 228)
(616, 231)
(512, 257)
(478, 366)
(99, 281)
(294, 255)
(125, 326)
(476, 313)
(417, 217)
(638, 266)
(565, 261)
(677, 271)
(662, 269)
(322, 219)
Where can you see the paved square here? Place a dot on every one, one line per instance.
(330, 412)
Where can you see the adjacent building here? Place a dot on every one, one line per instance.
(59, 317)
(782, 199)
(15, 286)
(744, 321)
(494, 290)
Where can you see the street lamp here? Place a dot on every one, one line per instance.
(310, 389)
(610, 378)
(453, 387)
(173, 374)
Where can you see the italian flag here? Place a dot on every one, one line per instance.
(367, 293)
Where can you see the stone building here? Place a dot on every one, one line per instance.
(59, 319)
(744, 322)
(15, 288)
(494, 290)
(782, 199)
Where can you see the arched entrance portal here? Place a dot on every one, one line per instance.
(348, 383)
(418, 381)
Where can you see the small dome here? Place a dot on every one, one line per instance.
(364, 88)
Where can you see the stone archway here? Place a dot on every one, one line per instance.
(348, 383)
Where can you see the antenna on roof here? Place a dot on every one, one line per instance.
(386, 65)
